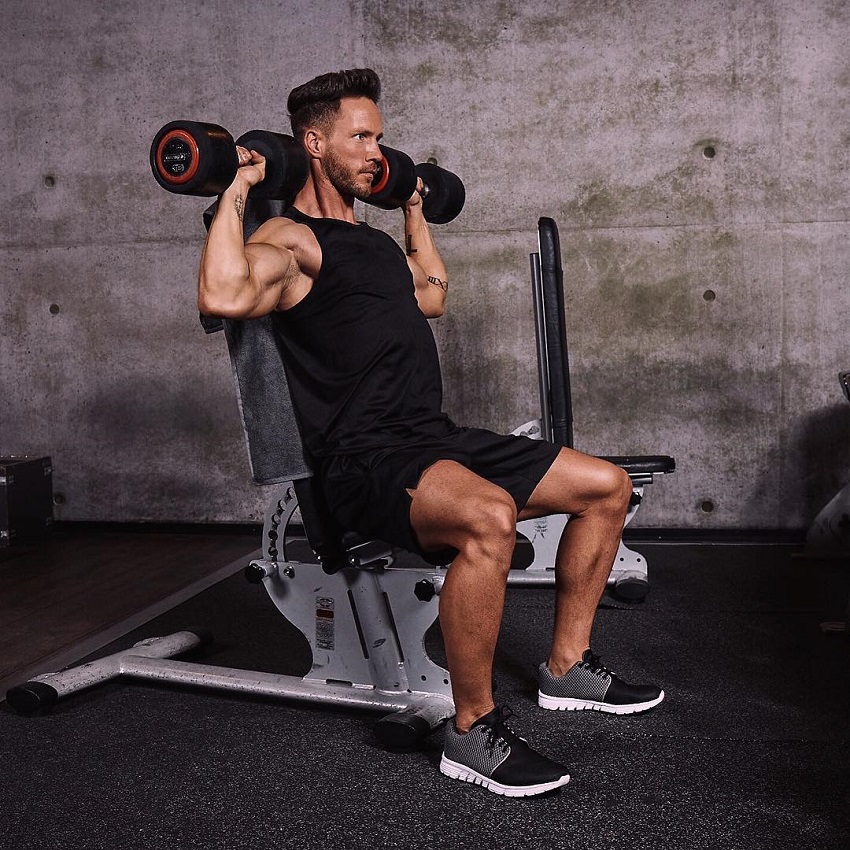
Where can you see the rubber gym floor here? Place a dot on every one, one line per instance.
(749, 750)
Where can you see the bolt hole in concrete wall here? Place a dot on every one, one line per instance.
(707, 506)
(712, 167)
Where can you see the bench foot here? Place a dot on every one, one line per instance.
(631, 586)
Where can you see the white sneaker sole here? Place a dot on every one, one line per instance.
(570, 704)
(467, 774)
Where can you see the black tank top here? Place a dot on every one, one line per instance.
(360, 357)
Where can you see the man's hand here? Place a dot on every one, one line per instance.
(252, 166)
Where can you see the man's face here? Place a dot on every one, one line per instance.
(352, 155)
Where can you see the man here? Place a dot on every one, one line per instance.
(352, 313)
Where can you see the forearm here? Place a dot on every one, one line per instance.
(224, 276)
(432, 284)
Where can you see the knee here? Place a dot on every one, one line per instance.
(619, 488)
(611, 490)
(490, 525)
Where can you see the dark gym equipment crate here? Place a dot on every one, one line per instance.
(26, 497)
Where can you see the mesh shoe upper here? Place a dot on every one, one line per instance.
(483, 748)
(586, 679)
(590, 680)
(492, 750)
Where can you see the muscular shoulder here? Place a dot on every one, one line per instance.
(283, 232)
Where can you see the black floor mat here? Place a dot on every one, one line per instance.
(750, 749)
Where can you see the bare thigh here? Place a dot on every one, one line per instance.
(451, 502)
(575, 482)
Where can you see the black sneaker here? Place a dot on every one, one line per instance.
(587, 685)
(493, 756)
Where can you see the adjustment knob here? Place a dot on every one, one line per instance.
(254, 573)
(424, 590)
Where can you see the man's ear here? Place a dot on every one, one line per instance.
(314, 142)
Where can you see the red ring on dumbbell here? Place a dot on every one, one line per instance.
(195, 153)
(385, 176)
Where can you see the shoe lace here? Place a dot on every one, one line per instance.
(498, 734)
(593, 662)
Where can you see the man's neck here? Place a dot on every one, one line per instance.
(320, 199)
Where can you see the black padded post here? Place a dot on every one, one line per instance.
(640, 468)
(554, 316)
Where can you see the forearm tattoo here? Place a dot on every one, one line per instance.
(239, 203)
(443, 284)
(410, 249)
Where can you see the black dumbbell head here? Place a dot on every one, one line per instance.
(286, 164)
(445, 195)
(395, 182)
(193, 158)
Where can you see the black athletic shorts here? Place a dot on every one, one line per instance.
(367, 492)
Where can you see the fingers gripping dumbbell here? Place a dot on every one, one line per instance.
(443, 194)
(195, 158)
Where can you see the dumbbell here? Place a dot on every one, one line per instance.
(443, 194)
(196, 158)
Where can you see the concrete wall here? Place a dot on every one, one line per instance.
(706, 293)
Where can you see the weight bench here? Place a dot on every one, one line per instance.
(364, 615)
(364, 619)
(629, 577)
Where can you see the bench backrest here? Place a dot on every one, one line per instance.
(275, 449)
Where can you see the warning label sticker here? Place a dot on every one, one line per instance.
(325, 638)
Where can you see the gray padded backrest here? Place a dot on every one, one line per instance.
(274, 443)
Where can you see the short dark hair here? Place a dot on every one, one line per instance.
(317, 101)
